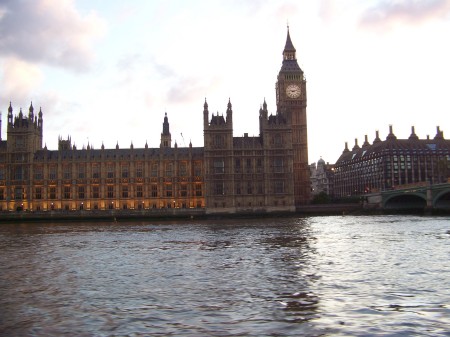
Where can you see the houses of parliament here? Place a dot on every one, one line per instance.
(266, 173)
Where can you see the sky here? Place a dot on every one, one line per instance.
(106, 72)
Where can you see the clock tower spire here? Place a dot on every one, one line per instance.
(291, 103)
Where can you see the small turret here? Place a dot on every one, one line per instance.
(439, 134)
(413, 135)
(366, 142)
(166, 138)
(10, 114)
(31, 112)
(356, 147)
(391, 135)
(377, 137)
(346, 148)
(229, 113)
(205, 115)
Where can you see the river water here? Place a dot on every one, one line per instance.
(294, 276)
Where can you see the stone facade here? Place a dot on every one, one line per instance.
(322, 175)
(268, 173)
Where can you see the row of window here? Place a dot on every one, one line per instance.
(246, 165)
(278, 188)
(19, 171)
(81, 192)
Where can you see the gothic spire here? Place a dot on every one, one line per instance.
(289, 46)
(289, 58)
(166, 125)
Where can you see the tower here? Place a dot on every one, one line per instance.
(291, 103)
(166, 138)
(24, 138)
(218, 153)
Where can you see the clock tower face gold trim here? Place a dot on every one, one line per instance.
(293, 91)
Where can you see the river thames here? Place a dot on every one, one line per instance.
(293, 276)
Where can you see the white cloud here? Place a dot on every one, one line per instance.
(48, 32)
(391, 12)
(19, 79)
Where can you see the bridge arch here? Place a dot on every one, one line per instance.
(442, 199)
(405, 201)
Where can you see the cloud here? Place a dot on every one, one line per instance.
(48, 32)
(191, 89)
(18, 79)
(389, 12)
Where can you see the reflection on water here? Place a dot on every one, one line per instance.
(339, 276)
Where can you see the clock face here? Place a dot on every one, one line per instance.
(293, 91)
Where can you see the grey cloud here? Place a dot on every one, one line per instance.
(49, 32)
(405, 11)
(186, 90)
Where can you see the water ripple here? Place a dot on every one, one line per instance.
(319, 276)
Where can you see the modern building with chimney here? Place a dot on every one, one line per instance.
(392, 163)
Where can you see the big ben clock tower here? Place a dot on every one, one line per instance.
(291, 102)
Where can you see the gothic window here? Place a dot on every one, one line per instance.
(278, 165)
(218, 188)
(198, 190)
(124, 191)
(18, 193)
(279, 187)
(183, 190)
(52, 193)
(248, 168)
(38, 172)
(81, 192)
(18, 173)
(67, 172)
(218, 141)
(249, 187)
(139, 170)
(183, 169)
(110, 170)
(197, 168)
(20, 143)
(259, 165)
(96, 171)
(110, 191)
(237, 165)
(2, 172)
(154, 170)
(2, 194)
(219, 166)
(277, 140)
(124, 169)
(95, 192)
(154, 191)
(52, 171)
(238, 188)
(260, 188)
(139, 192)
(38, 193)
(169, 170)
(81, 171)
(66, 192)
(168, 190)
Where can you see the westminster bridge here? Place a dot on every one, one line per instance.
(425, 196)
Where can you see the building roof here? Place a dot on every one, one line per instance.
(392, 145)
